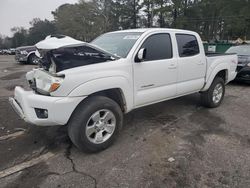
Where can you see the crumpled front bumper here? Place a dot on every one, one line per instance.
(59, 108)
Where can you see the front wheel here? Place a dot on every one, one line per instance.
(213, 97)
(95, 124)
(33, 59)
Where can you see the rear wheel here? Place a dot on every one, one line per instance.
(95, 124)
(213, 97)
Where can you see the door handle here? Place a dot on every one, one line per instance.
(172, 66)
(200, 62)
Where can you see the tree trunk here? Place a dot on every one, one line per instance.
(135, 14)
(149, 14)
(162, 23)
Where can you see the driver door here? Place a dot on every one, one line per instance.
(155, 76)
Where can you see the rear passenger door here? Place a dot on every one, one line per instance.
(191, 64)
(155, 77)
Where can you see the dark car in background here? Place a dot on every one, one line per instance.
(26, 54)
(243, 68)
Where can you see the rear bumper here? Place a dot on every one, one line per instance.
(59, 108)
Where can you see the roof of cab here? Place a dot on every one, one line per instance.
(58, 41)
(144, 30)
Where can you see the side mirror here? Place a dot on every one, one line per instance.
(140, 55)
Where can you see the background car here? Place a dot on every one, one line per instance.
(5, 51)
(12, 51)
(243, 67)
(26, 54)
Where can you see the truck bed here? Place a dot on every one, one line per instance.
(230, 60)
(214, 54)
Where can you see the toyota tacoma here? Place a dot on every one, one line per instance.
(89, 86)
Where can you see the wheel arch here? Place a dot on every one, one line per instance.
(117, 88)
(221, 72)
(29, 55)
(115, 94)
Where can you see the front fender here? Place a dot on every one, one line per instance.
(101, 84)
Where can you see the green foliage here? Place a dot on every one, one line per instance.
(19, 37)
(39, 30)
(83, 21)
(5, 42)
(212, 19)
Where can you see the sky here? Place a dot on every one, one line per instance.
(20, 12)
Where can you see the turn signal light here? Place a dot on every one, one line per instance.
(54, 87)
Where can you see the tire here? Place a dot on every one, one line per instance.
(84, 119)
(208, 99)
(33, 59)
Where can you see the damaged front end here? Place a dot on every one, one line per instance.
(60, 53)
(43, 82)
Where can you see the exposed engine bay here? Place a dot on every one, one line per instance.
(61, 53)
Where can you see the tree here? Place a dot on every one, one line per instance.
(19, 36)
(40, 29)
(82, 21)
(148, 8)
(213, 20)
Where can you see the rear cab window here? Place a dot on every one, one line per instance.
(158, 47)
(187, 45)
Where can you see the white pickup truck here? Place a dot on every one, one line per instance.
(89, 86)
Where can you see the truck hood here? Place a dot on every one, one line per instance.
(51, 43)
(58, 53)
(55, 42)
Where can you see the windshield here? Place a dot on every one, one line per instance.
(240, 50)
(118, 44)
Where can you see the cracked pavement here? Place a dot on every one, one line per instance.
(210, 147)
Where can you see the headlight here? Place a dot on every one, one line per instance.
(24, 52)
(248, 64)
(49, 84)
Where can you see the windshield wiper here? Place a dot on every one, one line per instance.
(101, 55)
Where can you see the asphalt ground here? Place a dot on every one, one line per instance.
(177, 143)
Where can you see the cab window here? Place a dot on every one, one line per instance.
(158, 47)
(187, 45)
